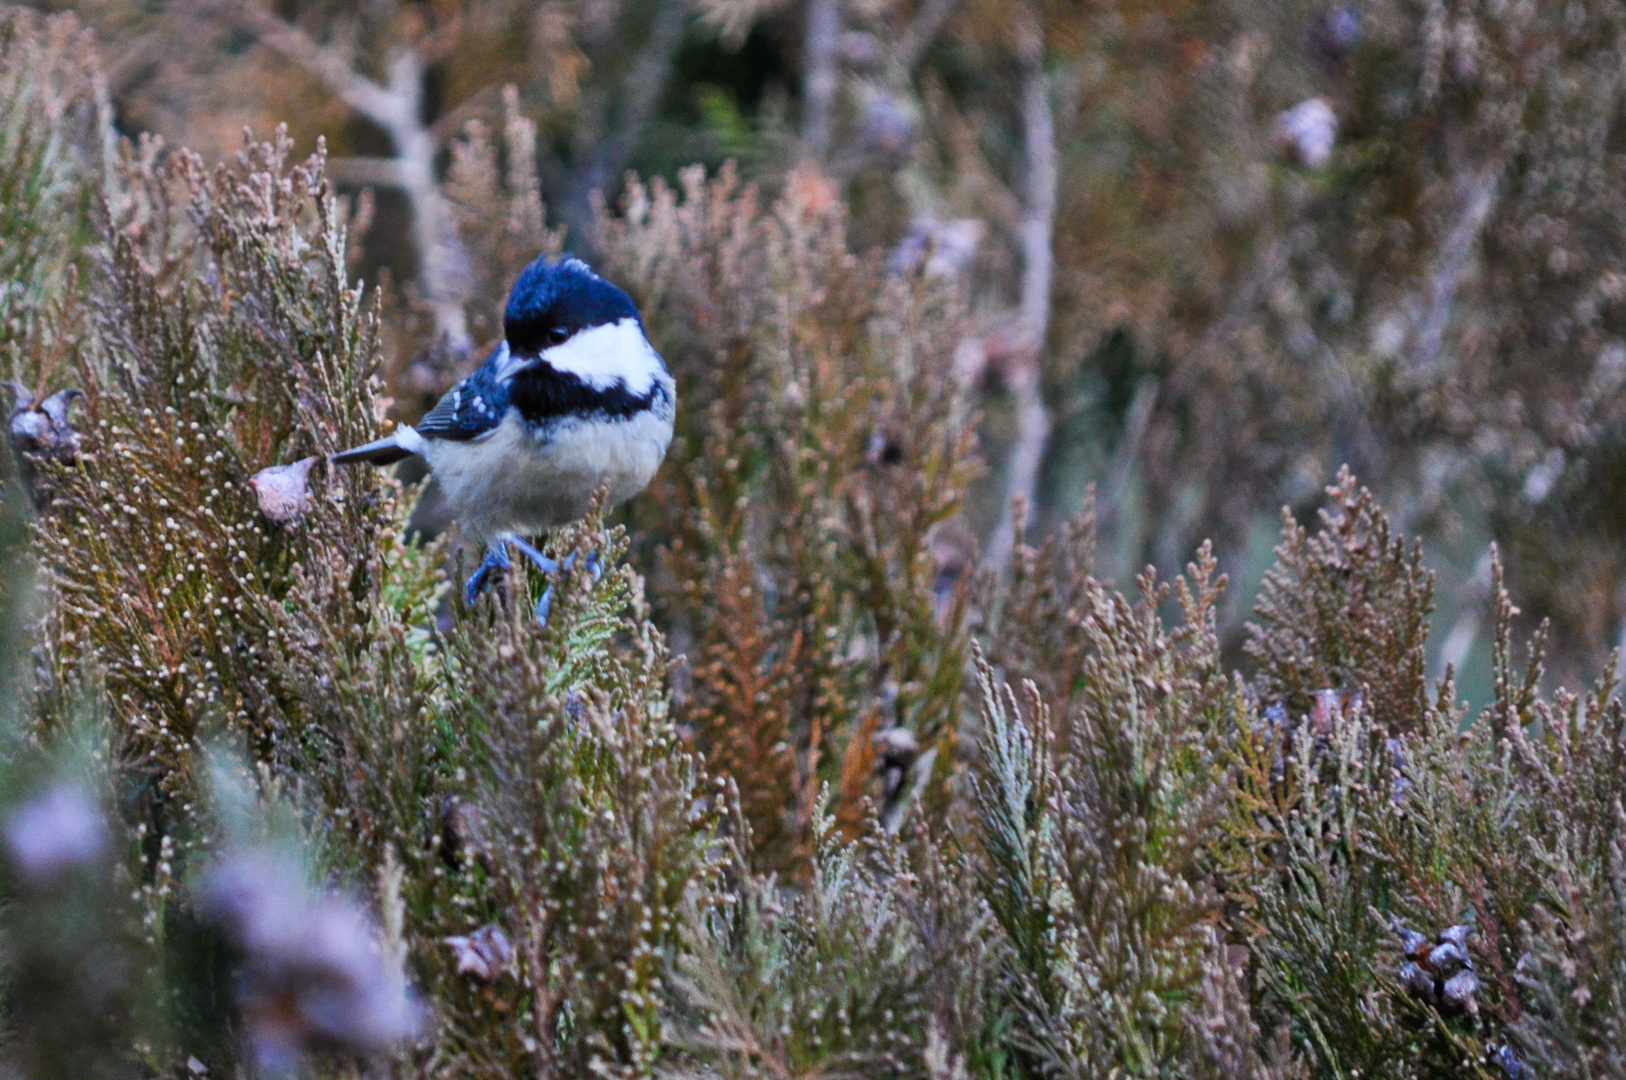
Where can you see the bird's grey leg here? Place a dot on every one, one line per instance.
(543, 563)
(496, 559)
(551, 567)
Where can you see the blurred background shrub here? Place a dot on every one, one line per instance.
(856, 762)
(1208, 253)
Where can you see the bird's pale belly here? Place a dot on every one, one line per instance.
(509, 483)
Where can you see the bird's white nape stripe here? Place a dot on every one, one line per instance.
(605, 355)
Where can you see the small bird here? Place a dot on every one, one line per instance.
(573, 397)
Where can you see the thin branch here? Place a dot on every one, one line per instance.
(364, 171)
(1035, 234)
(1478, 198)
(1039, 219)
(444, 280)
(1136, 421)
(819, 92)
(123, 66)
(923, 30)
(1271, 264)
(644, 86)
(362, 94)
(450, 124)
(1619, 671)
(1465, 629)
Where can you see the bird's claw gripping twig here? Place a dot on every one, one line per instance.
(497, 559)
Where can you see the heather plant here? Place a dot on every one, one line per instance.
(808, 497)
(219, 587)
(1096, 825)
(1347, 610)
(877, 966)
(820, 796)
(1361, 837)
(1211, 251)
(54, 138)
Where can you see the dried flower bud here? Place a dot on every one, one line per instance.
(1457, 935)
(284, 491)
(462, 830)
(942, 248)
(1323, 704)
(484, 955)
(1458, 993)
(885, 448)
(1447, 960)
(896, 748)
(312, 975)
(1416, 946)
(954, 559)
(55, 831)
(1514, 1069)
(1306, 132)
(43, 430)
(1418, 983)
(1397, 757)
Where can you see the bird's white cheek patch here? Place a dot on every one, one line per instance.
(605, 355)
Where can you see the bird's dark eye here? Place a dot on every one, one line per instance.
(558, 335)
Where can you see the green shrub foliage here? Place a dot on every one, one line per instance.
(273, 800)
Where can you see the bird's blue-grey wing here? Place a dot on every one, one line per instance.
(471, 409)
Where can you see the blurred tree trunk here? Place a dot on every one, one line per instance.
(397, 107)
(651, 72)
(819, 86)
(1036, 231)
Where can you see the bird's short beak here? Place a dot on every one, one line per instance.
(509, 364)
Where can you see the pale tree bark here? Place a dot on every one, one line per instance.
(1036, 233)
(396, 106)
(819, 87)
(645, 83)
(919, 35)
(1477, 197)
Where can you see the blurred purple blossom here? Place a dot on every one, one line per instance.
(283, 491)
(946, 248)
(43, 429)
(313, 973)
(1307, 132)
(55, 831)
(889, 124)
(1334, 36)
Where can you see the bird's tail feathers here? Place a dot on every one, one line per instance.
(386, 451)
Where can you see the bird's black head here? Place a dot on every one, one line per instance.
(552, 302)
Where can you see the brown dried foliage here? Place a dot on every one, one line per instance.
(824, 449)
(1132, 864)
(1347, 610)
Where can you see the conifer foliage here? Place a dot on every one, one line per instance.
(815, 798)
